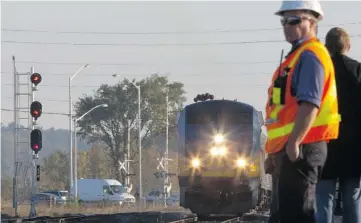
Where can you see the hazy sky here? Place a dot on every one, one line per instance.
(186, 40)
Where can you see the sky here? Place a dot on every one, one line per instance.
(215, 47)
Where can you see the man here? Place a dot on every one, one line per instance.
(301, 111)
(344, 153)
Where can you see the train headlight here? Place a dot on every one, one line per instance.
(241, 162)
(218, 138)
(222, 151)
(196, 162)
(218, 151)
(214, 151)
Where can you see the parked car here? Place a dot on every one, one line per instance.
(63, 194)
(173, 200)
(153, 196)
(47, 199)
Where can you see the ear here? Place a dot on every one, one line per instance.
(314, 25)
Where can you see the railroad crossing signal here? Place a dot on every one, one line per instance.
(161, 162)
(160, 174)
(123, 167)
(36, 143)
(163, 174)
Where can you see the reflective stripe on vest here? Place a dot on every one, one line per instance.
(322, 119)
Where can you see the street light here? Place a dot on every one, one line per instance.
(139, 135)
(71, 125)
(76, 148)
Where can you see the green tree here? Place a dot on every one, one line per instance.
(109, 125)
(97, 163)
(55, 171)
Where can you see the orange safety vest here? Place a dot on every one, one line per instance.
(281, 108)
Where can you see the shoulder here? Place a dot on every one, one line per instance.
(351, 63)
(317, 53)
(353, 67)
(309, 56)
(310, 61)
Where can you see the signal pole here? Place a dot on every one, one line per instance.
(35, 136)
(22, 157)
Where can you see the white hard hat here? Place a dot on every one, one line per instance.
(310, 5)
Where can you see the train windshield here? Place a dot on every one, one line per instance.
(204, 120)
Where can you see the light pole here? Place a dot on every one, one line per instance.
(71, 126)
(76, 148)
(139, 136)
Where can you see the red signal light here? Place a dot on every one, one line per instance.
(36, 140)
(35, 78)
(35, 113)
(36, 109)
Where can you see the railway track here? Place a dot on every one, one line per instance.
(147, 217)
(251, 217)
(210, 220)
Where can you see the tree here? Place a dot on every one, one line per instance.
(110, 125)
(97, 163)
(56, 171)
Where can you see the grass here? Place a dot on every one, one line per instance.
(46, 210)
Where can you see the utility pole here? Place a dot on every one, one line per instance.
(140, 145)
(139, 135)
(166, 180)
(127, 179)
(163, 162)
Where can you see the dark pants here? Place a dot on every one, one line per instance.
(297, 184)
(276, 159)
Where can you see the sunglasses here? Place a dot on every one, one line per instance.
(293, 20)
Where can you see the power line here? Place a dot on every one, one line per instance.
(163, 32)
(214, 75)
(145, 64)
(50, 100)
(97, 86)
(47, 113)
(142, 44)
(151, 44)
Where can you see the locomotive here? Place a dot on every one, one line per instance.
(220, 163)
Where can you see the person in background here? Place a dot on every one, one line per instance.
(343, 160)
(301, 112)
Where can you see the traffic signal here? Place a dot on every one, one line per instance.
(36, 141)
(36, 109)
(35, 78)
(204, 97)
(37, 172)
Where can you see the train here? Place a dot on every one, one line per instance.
(221, 156)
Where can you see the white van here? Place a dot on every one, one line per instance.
(106, 190)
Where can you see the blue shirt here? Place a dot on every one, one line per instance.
(308, 78)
